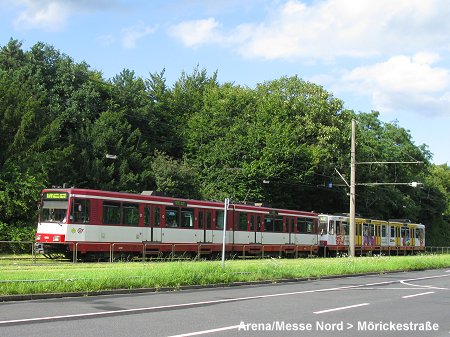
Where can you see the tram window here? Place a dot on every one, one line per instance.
(331, 227)
(80, 211)
(130, 214)
(301, 225)
(187, 218)
(208, 220)
(346, 228)
(219, 219)
(200, 219)
(147, 216)
(171, 217)
(305, 225)
(278, 225)
(242, 225)
(310, 226)
(156, 216)
(252, 222)
(392, 231)
(338, 227)
(111, 213)
(268, 225)
(53, 211)
(383, 231)
(322, 225)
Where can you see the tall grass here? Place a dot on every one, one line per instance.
(95, 277)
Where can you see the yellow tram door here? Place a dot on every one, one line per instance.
(412, 235)
(358, 231)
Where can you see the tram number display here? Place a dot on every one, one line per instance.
(56, 196)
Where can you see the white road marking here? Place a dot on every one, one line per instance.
(204, 332)
(406, 280)
(379, 283)
(136, 310)
(340, 308)
(409, 296)
(384, 288)
(420, 286)
(192, 304)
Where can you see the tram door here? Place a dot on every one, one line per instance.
(152, 223)
(205, 225)
(331, 232)
(290, 231)
(397, 236)
(405, 237)
(255, 224)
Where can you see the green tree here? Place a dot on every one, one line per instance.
(19, 197)
(288, 132)
(175, 177)
(185, 100)
(162, 120)
(435, 205)
(380, 142)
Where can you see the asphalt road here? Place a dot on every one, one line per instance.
(398, 304)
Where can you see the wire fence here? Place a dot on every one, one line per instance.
(15, 252)
(437, 250)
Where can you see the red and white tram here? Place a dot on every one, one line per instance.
(98, 224)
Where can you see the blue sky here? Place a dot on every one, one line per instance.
(384, 55)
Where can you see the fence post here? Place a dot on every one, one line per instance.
(111, 252)
(75, 252)
(33, 252)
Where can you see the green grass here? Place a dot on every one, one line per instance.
(25, 278)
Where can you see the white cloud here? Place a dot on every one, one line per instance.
(330, 32)
(131, 35)
(52, 15)
(403, 83)
(328, 29)
(196, 32)
(46, 15)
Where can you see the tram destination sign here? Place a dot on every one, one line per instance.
(56, 196)
(180, 203)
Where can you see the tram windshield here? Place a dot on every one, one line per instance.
(53, 211)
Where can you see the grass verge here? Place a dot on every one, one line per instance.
(20, 279)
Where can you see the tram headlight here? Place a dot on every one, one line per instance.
(56, 238)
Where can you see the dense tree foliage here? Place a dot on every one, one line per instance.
(281, 143)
